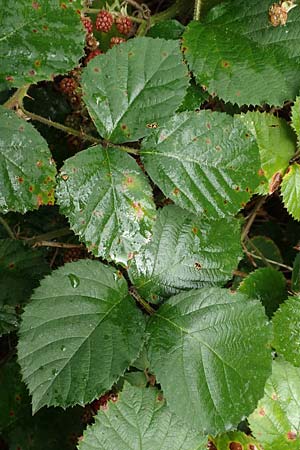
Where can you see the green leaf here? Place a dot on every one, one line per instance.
(8, 319)
(290, 190)
(296, 117)
(267, 285)
(78, 335)
(213, 346)
(287, 331)
(140, 419)
(27, 171)
(240, 57)
(263, 249)
(167, 29)
(275, 422)
(134, 86)
(235, 440)
(21, 268)
(49, 429)
(54, 38)
(204, 162)
(186, 252)
(277, 144)
(194, 98)
(296, 275)
(108, 201)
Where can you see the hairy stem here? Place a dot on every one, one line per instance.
(197, 9)
(57, 244)
(134, 293)
(7, 228)
(16, 99)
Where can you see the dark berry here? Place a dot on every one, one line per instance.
(92, 55)
(74, 254)
(88, 24)
(68, 86)
(124, 24)
(104, 21)
(116, 40)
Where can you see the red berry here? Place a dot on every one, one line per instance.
(116, 40)
(68, 86)
(124, 24)
(92, 55)
(87, 23)
(104, 21)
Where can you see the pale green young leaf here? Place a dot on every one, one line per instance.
(140, 419)
(267, 285)
(235, 440)
(286, 325)
(134, 87)
(39, 39)
(108, 201)
(290, 190)
(27, 171)
(213, 346)
(205, 162)
(275, 422)
(186, 252)
(78, 335)
(277, 144)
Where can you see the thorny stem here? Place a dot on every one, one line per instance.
(134, 293)
(50, 235)
(253, 255)
(57, 244)
(252, 218)
(7, 228)
(197, 9)
(17, 98)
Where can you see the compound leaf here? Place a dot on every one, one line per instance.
(290, 190)
(239, 56)
(108, 201)
(134, 87)
(213, 346)
(204, 162)
(267, 285)
(140, 419)
(186, 252)
(275, 422)
(277, 144)
(287, 330)
(78, 335)
(27, 171)
(54, 38)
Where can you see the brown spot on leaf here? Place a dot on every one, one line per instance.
(165, 54)
(262, 412)
(31, 188)
(291, 436)
(218, 148)
(238, 94)
(129, 181)
(176, 191)
(39, 163)
(225, 64)
(45, 27)
(208, 125)
(274, 396)
(211, 446)
(261, 172)
(123, 126)
(11, 265)
(152, 125)
(37, 63)
(243, 204)
(275, 182)
(225, 202)
(138, 209)
(160, 397)
(65, 177)
(39, 200)
(153, 297)
(96, 69)
(236, 446)
(208, 141)
(63, 6)
(195, 139)
(247, 135)
(32, 72)
(20, 179)
(34, 30)
(18, 398)
(237, 188)
(11, 413)
(197, 266)
(195, 230)
(9, 78)
(35, 5)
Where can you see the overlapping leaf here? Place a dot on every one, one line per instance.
(211, 345)
(38, 39)
(21, 268)
(296, 117)
(140, 419)
(108, 201)
(267, 285)
(134, 87)
(235, 440)
(264, 251)
(8, 319)
(277, 145)
(205, 162)
(275, 422)
(78, 335)
(286, 324)
(186, 252)
(239, 56)
(27, 171)
(290, 190)
(296, 274)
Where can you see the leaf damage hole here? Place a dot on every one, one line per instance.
(197, 266)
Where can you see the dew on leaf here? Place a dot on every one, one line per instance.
(74, 280)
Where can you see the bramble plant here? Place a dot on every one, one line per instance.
(149, 227)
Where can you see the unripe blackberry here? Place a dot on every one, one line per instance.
(116, 40)
(88, 24)
(124, 24)
(92, 55)
(68, 86)
(104, 21)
